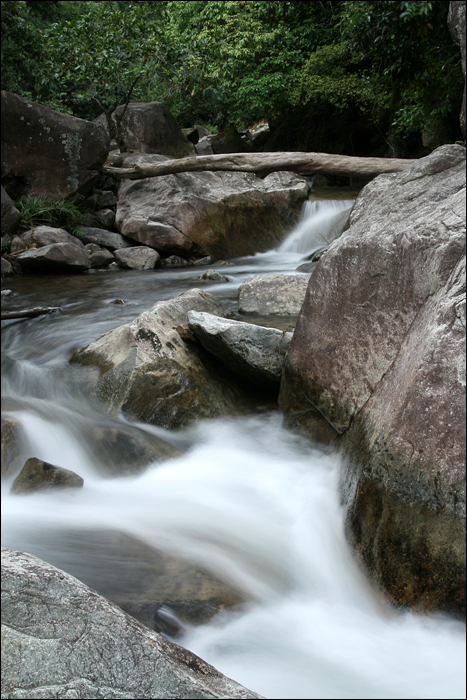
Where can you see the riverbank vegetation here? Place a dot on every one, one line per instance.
(359, 78)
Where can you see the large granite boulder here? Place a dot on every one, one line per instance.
(149, 127)
(41, 236)
(102, 237)
(10, 214)
(225, 214)
(457, 24)
(255, 353)
(153, 375)
(61, 639)
(272, 294)
(377, 365)
(48, 154)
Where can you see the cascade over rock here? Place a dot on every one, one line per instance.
(377, 366)
(222, 214)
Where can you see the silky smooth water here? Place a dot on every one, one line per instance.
(251, 502)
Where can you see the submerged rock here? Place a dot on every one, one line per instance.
(61, 639)
(154, 376)
(37, 475)
(377, 365)
(255, 353)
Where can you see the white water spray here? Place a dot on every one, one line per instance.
(321, 223)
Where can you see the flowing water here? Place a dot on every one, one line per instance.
(252, 503)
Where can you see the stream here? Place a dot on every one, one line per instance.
(252, 503)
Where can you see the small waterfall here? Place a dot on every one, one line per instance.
(322, 222)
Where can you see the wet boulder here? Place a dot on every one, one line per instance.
(61, 639)
(37, 475)
(138, 258)
(153, 375)
(276, 294)
(225, 214)
(255, 353)
(149, 127)
(377, 366)
(46, 153)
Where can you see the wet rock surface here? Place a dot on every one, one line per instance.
(379, 360)
(61, 639)
(254, 352)
(37, 475)
(153, 375)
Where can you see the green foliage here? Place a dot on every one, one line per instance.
(38, 211)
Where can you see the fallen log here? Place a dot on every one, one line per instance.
(265, 163)
(30, 313)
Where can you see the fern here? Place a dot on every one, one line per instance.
(38, 211)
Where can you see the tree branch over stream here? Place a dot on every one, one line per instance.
(265, 163)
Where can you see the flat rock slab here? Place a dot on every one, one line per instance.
(255, 353)
(61, 639)
(275, 294)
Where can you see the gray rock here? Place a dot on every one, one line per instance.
(203, 147)
(108, 239)
(151, 374)
(272, 294)
(106, 218)
(41, 236)
(138, 258)
(377, 357)
(56, 257)
(225, 214)
(46, 153)
(150, 127)
(101, 258)
(7, 268)
(37, 475)
(213, 275)
(106, 200)
(10, 214)
(61, 639)
(255, 353)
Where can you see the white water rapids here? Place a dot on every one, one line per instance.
(248, 500)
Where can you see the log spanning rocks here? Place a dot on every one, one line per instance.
(61, 639)
(263, 164)
(208, 213)
(377, 366)
(153, 375)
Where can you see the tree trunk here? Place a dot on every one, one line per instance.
(265, 163)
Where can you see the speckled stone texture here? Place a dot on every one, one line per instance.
(48, 154)
(377, 366)
(60, 639)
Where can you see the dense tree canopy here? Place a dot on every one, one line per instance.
(314, 70)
